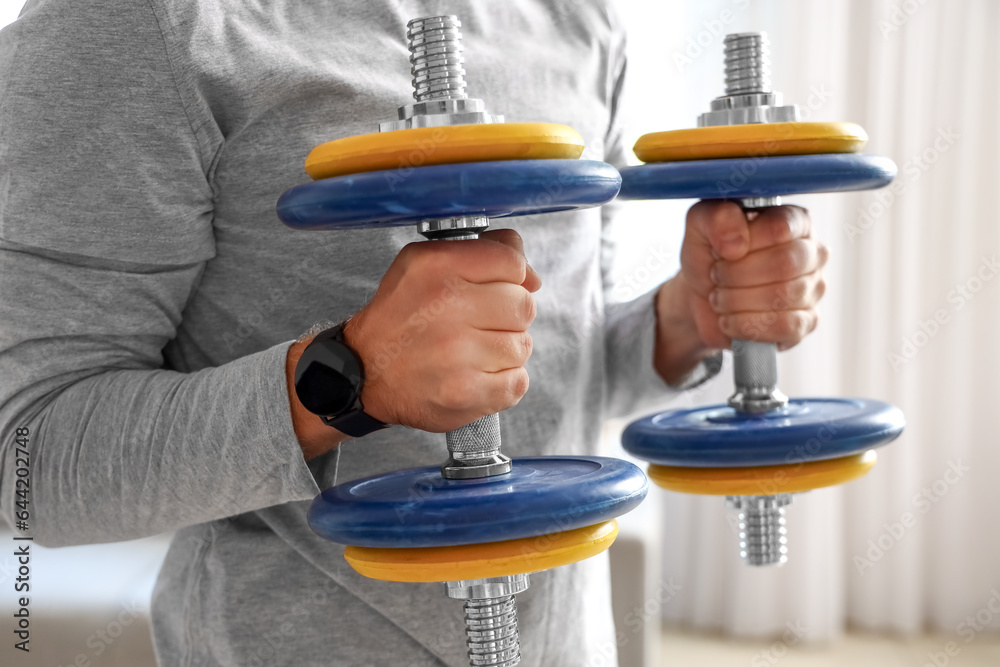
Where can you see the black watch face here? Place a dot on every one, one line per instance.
(327, 378)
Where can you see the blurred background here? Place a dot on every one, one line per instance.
(911, 316)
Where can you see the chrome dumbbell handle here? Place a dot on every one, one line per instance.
(474, 449)
(439, 88)
(755, 374)
(755, 364)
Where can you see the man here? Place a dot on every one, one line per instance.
(151, 305)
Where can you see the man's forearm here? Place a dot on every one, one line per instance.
(130, 453)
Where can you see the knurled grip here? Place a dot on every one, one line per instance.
(755, 374)
(479, 439)
(755, 364)
(475, 450)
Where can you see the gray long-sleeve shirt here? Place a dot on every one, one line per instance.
(148, 295)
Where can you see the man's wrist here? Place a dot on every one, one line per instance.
(371, 393)
(330, 378)
(315, 437)
(679, 348)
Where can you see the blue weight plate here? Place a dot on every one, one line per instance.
(494, 189)
(807, 429)
(756, 177)
(419, 508)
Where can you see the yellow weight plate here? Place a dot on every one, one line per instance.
(423, 146)
(763, 480)
(477, 561)
(750, 140)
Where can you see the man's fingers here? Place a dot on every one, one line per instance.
(802, 292)
(502, 350)
(477, 261)
(751, 275)
(501, 307)
(721, 226)
(771, 265)
(786, 328)
(475, 393)
(510, 238)
(696, 264)
(708, 224)
(779, 224)
(504, 389)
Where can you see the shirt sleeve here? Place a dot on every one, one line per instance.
(105, 229)
(630, 326)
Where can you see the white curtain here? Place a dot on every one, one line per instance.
(912, 315)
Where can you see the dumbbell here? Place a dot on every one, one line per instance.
(760, 448)
(481, 523)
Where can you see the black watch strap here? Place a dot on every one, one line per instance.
(355, 423)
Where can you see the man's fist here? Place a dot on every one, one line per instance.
(445, 338)
(759, 281)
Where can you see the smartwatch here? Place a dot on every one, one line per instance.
(329, 377)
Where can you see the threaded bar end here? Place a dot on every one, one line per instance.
(748, 63)
(491, 626)
(436, 60)
(763, 536)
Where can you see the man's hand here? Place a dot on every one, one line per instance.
(759, 281)
(444, 340)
